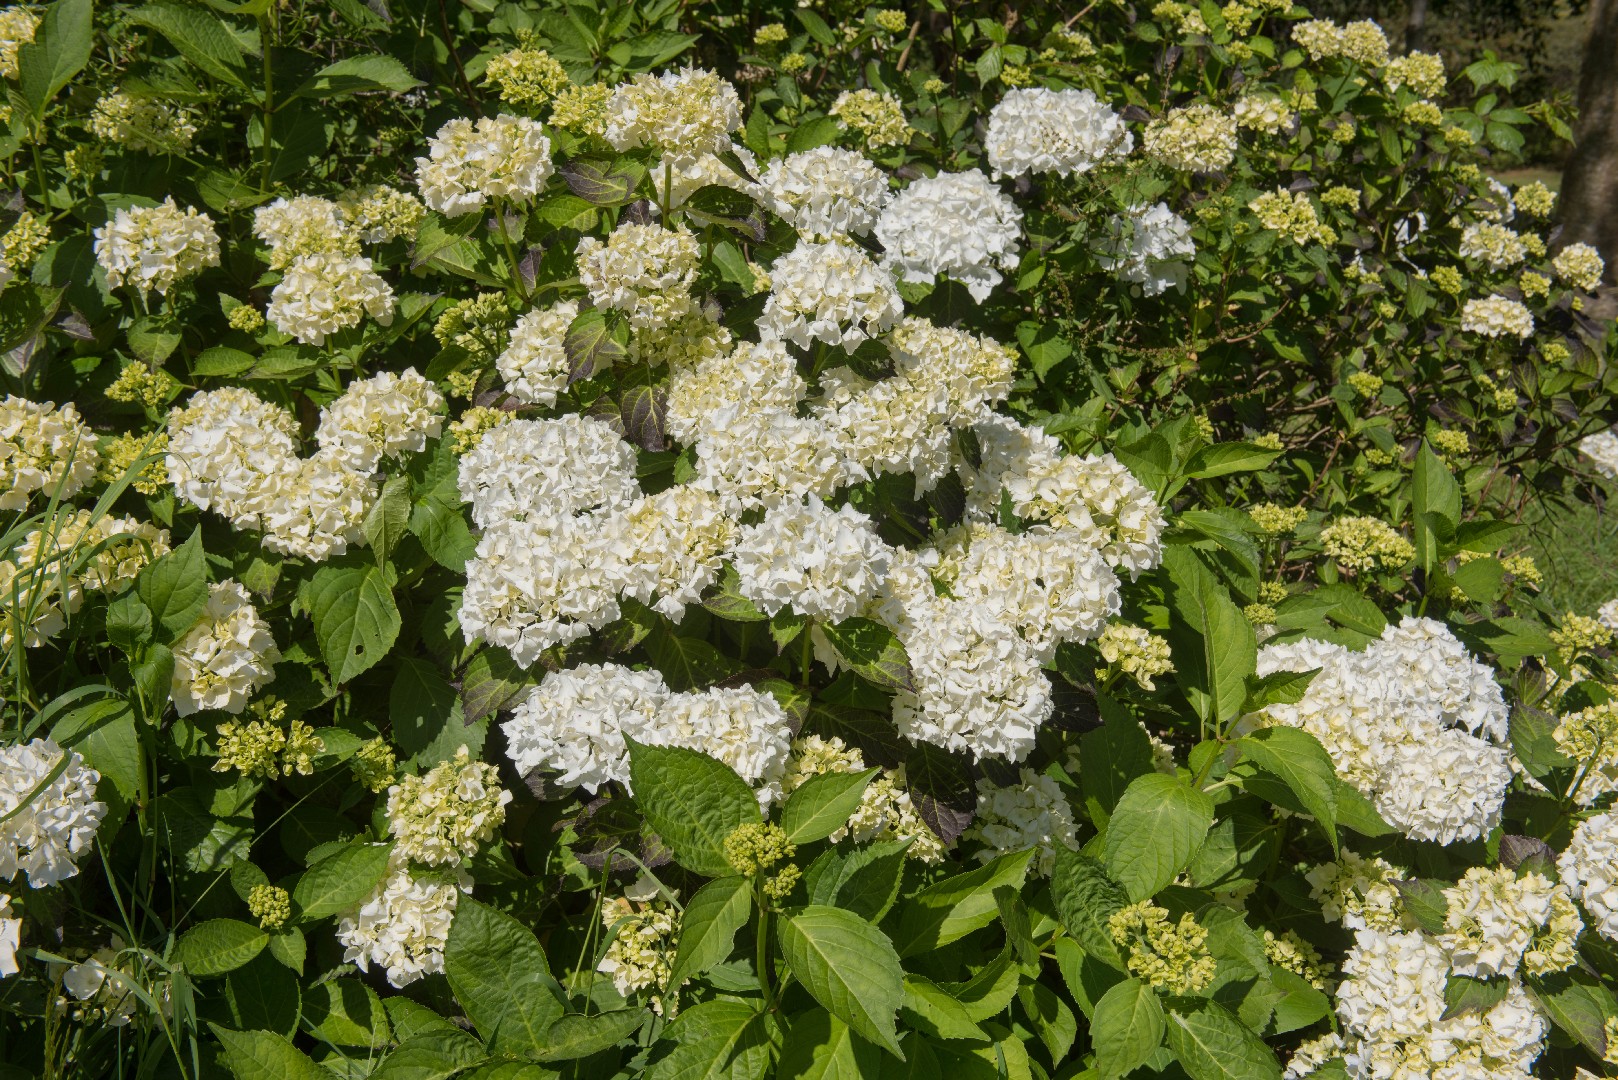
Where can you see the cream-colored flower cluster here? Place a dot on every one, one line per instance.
(1293, 215)
(471, 162)
(644, 271)
(1497, 316)
(43, 579)
(1032, 812)
(43, 451)
(143, 124)
(1137, 652)
(225, 658)
(1195, 138)
(683, 115)
(156, 247)
(886, 811)
(442, 818)
(877, 117)
(48, 811)
(1366, 544)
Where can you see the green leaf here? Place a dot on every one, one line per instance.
(820, 131)
(1085, 899)
(431, 1055)
(1278, 688)
(1296, 759)
(724, 1039)
(595, 341)
(290, 948)
(872, 651)
(1110, 757)
(129, 623)
(492, 681)
(1050, 1018)
(357, 74)
(341, 881)
(346, 1012)
(930, 1008)
(356, 621)
(1464, 994)
(692, 801)
(950, 909)
(220, 945)
(1226, 458)
(425, 712)
(849, 966)
(105, 733)
(1424, 902)
(200, 36)
(174, 588)
(264, 1055)
(577, 1036)
(864, 880)
(1214, 647)
(1156, 829)
(61, 47)
(603, 181)
(823, 804)
(725, 599)
(388, 518)
(1578, 1003)
(1211, 1044)
(1436, 506)
(708, 927)
(819, 1046)
(1127, 1028)
(499, 975)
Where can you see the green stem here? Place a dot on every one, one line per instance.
(761, 945)
(266, 38)
(511, 252)
(807, 656)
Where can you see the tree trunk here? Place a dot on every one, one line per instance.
(1416, 26)
(1590, 181)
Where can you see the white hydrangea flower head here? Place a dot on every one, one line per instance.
(403, 925)
(1095, 497)
(1149, 247)
(17, 26)
(314, 508)
(1262, 112)
(1496, 316)
(303, 225)
(1580, 265)
(767, 457)
(1589, 868)
(824, 564)
(43, 450)
(379, 213)
(224, 659)
(680, 178)
(575, 721)
(46, 835)
(681, 114)
(1196, 138)
(1049, 584)
(1495, 246)
(746, 729)
(328, 292)
(979, 687)
(885, 813)
(831, 293)
(749, 380)
(535, 584)
(10, 937)
(154, 247)
(826, 192)
(1031, 813)
(975, 372)
(442, 818)
(547, 470)
(1066, 132)
(1436, 666)
(1602, 450)
(386, 416)
(645, 271)
(222, 445)
(645, 938)
(676, 542)
(898, 426)
(1607, 615)
(495, 157)
(104, 998)
(1498, 921)
(1359, 893)
(958, 225)
(534, 364)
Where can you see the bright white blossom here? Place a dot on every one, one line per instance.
(749, 380)
(644, 271)
(746, 729)
(1495, 317)
(1065, 132)
(958, 225)
(442, 818)
(831, 293)
(314, 508)
(388, 415)
(1149, 246)
(46, 831)
(403, 925)
(574, 723)
(1030, 813)
(544, 470)
(303, 225)
(10, 937)
(327, 292)
(681, 114)
(43, 450)
(534, 364)
(226, 657)
(826, 192)
(154, 247)
(494, 157)
(1589, 869)
(1602, 450)
(1498, 921)
(822, 563)
(1196, 138)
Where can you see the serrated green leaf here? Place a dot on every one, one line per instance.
(341, 881)
(708, 927)
(220, 945)
(1155, 830)
(849, 967)
(692, 801)
(823, 804)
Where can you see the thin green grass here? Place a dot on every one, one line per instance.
(1576, 547)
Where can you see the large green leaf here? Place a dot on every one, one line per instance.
(708, 927)
(950, 909)
(501, 978)
(823, 804)
(864, 880)
(819, 1046)
(1212, 1044)
(200, 36)
(692, 801)
(724, 1039)
(871, 651)
(1127, 1028)
(265, 1055)
(1296, 759)
(849, 966)
(220, 945)
(1085, 899)
(1157, 827)
(1214, 647)
(342, 880)
(357, 74)
(1435, 506)
(174, 588)
(356, 620)
(61, 47)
